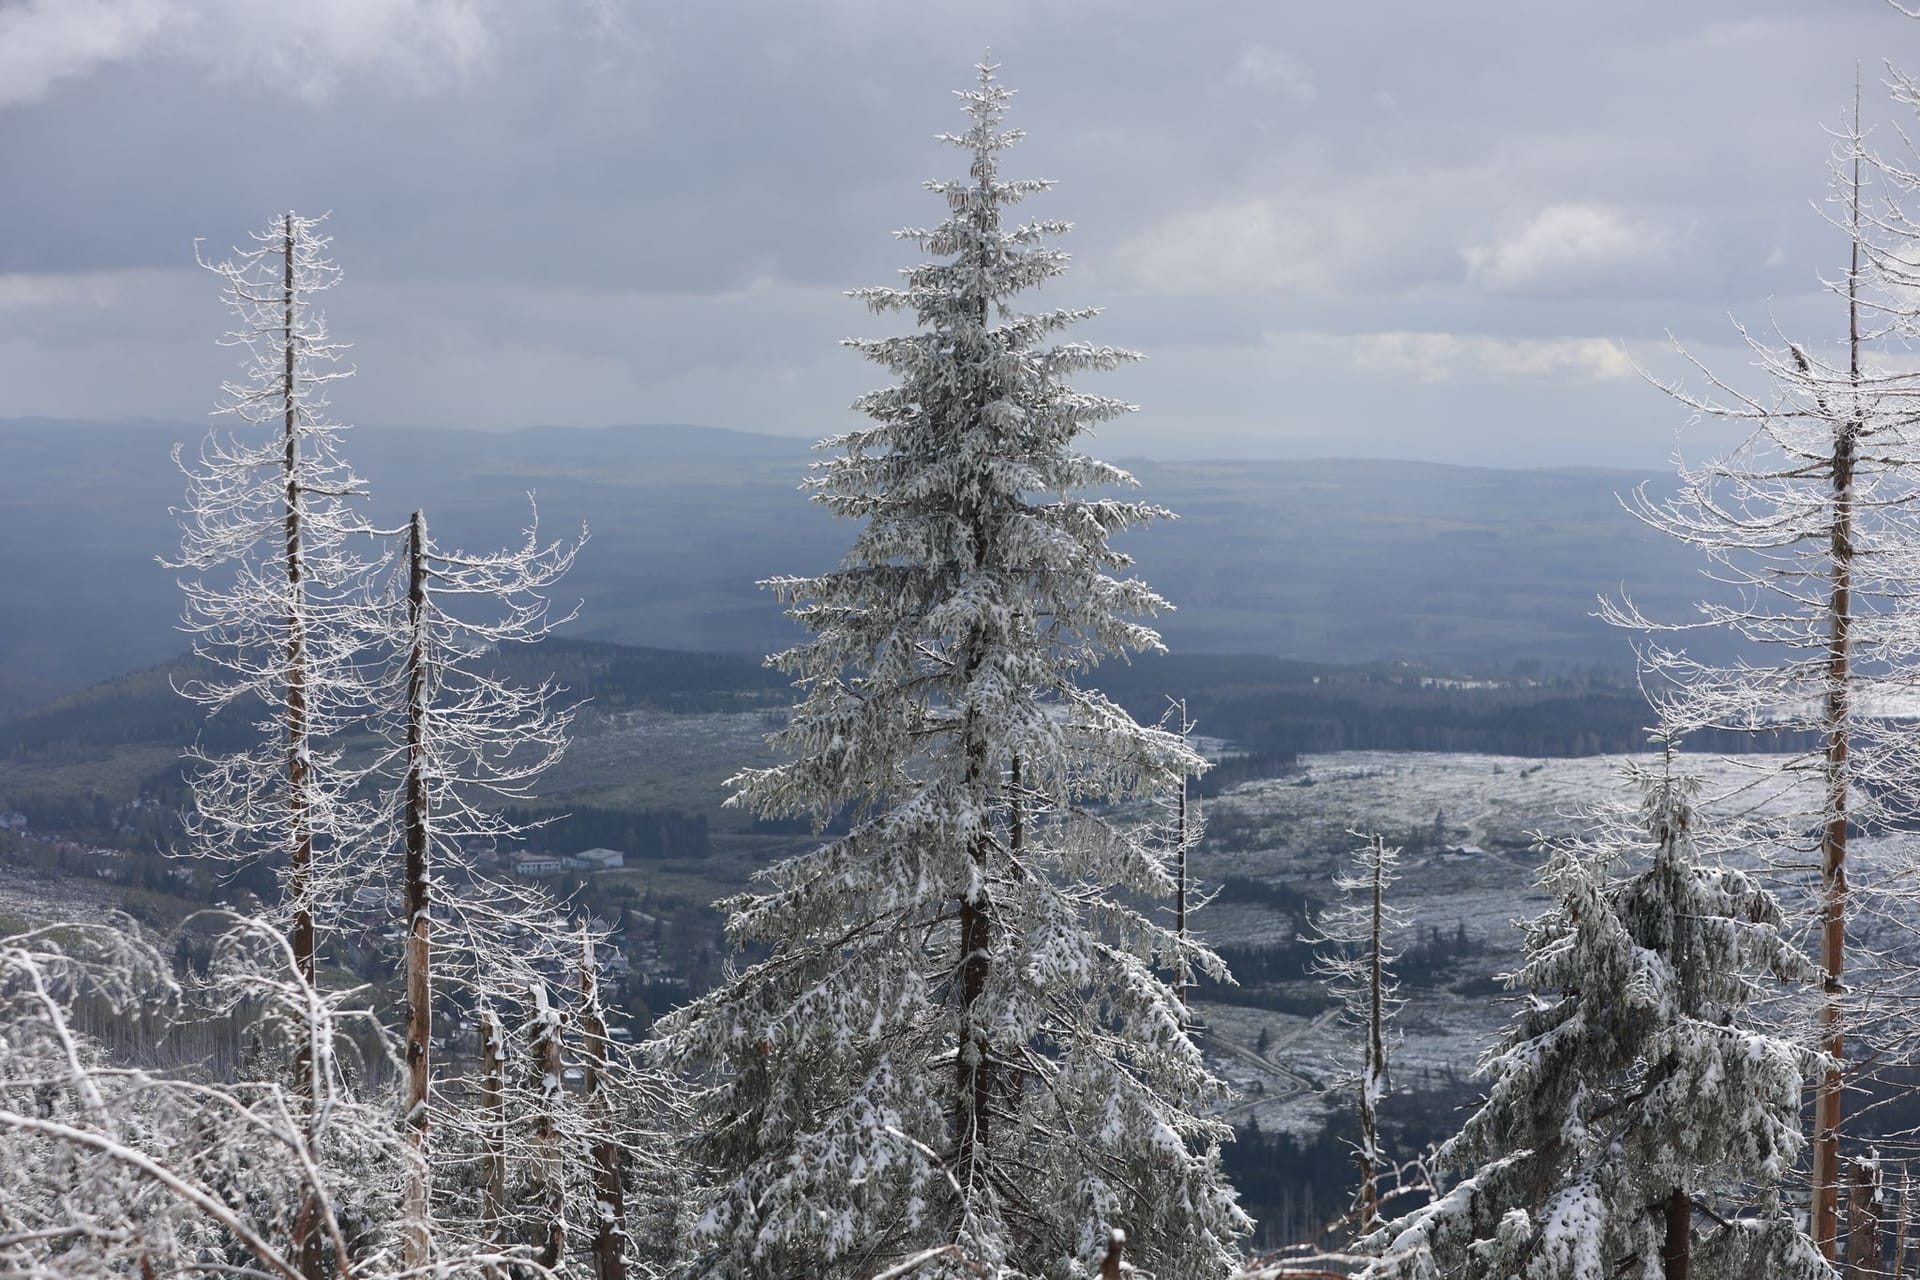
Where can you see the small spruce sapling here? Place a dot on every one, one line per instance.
(1637, 1121)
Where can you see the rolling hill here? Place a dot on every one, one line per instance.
(1347, 561)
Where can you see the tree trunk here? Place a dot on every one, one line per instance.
(1900, 1232)
(493, 1110)
(1016, 816)
(1833, 844)
(610, 1233)
(548, 1158)
(1375, 1080)
(1182, 978)
(306, 1228)
(973, 1063)
(1677, 1253)
(419, 912)
(973, 1067)
(1865, 1260)
(299, 758)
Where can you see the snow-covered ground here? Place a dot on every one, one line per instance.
(1468, 823)
(1497, 802)
(31, 898)
(657, 758)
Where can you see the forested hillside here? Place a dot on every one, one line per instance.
(1469, 569)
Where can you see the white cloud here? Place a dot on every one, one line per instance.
(316, 44)
(1308, 224)
(1445, 357)
(491, 354)
(102, 306)
(42, 41)
(1246, 246)
(1567, 245)
(306, 47)
(21, 290)
(1262, 67)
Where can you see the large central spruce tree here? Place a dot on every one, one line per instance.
(962, 1045)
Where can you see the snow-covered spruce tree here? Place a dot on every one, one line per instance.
(1808, 520)
(1637, 1123)
(1358, 947)
(962, 1040)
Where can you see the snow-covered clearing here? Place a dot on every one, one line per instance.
(1467, 823)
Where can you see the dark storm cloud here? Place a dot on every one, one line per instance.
(1386, 228)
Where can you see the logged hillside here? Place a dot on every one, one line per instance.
(662, 728)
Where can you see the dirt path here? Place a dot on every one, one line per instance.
(1295, 1085)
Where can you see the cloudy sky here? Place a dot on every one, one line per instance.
(1398, 228)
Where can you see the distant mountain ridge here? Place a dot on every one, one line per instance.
(1328, 560)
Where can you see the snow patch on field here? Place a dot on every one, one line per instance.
(1468, 823)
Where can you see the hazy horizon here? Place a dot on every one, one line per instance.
(1108, 442)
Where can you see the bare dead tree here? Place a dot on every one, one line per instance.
(1184, 837)
(493, 1120)
(464, 741)
(1357, 938)
(1806, 524)
(610, 1247)
(1900, 1230)
(418, 898)
(567, 1145)
(549, 1163)
(272, 586)
(141, 1169)
(1866, 1194)
(275, 596)
(108, 1170)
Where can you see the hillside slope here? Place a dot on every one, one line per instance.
(1346, 561)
